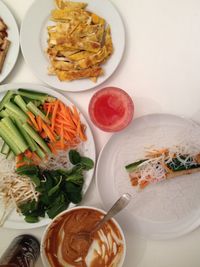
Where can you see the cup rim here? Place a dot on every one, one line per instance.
(42, 252)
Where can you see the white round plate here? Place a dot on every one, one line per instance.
(16, 221)
(13, 36)
(33, 36)
(160, 211)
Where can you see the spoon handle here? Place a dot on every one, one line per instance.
(121, 203)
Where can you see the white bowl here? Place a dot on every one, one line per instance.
(57, 219)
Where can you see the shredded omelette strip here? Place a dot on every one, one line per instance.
(79, 42)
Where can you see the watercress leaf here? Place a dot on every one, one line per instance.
(28, 170)
(76, 178)
(73, 192)
(55, 210)
(77, 168)
(72, 188)
(44, 199)
(55, 188)
(28, 207)
(87, 163)
(40, 189)
(75, 198)
(74, 157)
(57, 206)
(35, 179)
(31, 219)
(38, 213)
(47, 183)
(55, 175)
(64, 173)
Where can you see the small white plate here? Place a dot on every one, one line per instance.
(160, 211)
(16, 221)
(13, 36)
(33, 37)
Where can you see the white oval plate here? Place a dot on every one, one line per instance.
(161, 211)
(16, 221)
(13, 36)
(33, 37)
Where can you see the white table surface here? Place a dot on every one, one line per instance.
(161, 71)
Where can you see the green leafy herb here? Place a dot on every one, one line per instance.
(74, 157)
(28, 170)
(87, 163)
(60, 204)
(73, 192)
(31, 219)
(57, 188)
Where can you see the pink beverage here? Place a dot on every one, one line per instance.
(22, 252)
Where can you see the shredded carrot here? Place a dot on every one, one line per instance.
(39, 123)
(75, 117)
(48, 110)
(36, 159)
(67, 136)
(33, 121)
(65, 124)
(28, 154)
(19, 161)
(54, 115)
(166, 167)
(58, 145)
(143, 184)
(81, 134)
(53, 149)
(19, 157)
(48, 132)
(20, 164)
(62, 137)
(43, 134)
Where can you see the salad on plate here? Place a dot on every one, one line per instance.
(42, 164)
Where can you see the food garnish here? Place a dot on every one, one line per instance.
(4, 43)
(162, 164)
(79, 42)
(40, 136)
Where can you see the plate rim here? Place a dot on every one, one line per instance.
(22, 225)
(165, 236)
(59, 85)
(17, 42)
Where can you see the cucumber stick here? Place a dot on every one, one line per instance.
(11, 114)
(6, 98)
(17, 111)
(39, 151)
(21, 103)
(34, 95)
(133, 166)
(19, 139)
(26, 136)
(4, 113)
(9, 139)
(33, 134)
(37, 112)
(10, 155)
(5, 149)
